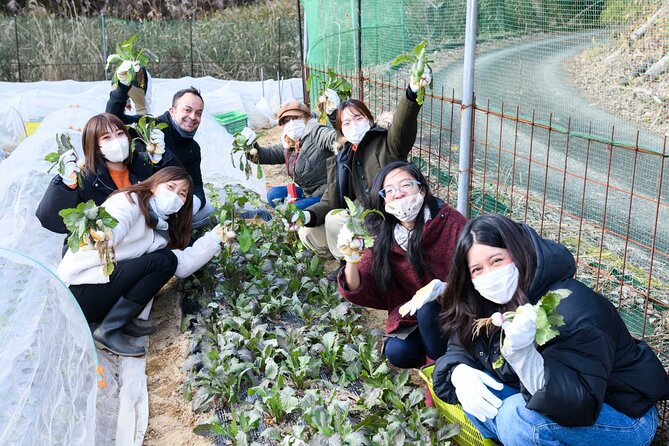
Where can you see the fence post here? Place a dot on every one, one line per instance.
(467, 109)
(191, 45)
(278, 21)
(18, 53)
(361, 88)
(104, 43)
(303, 65)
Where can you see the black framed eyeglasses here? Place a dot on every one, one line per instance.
(407, 187)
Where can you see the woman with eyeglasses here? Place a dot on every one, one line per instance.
(403, 272)
(368, 147)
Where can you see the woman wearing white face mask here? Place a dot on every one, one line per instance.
(108, 165)
(305, 148)
(150, 243)
(368, 147)
(405, 270)
(592, 384)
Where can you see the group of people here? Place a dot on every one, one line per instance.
(434, 272)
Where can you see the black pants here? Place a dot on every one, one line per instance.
(137, 280)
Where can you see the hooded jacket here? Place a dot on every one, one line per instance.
(350, 172)
(307, 167)
(440, 234)
(186, 151)
(594, 360)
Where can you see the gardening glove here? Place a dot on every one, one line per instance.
(224, 235)
(332, 101)
(124, 68)
(349, 245)
(519, 351)
(249, 134)
(296, 221)
(68, 168)
(157, 147)
(425, 80)
(426, 294)
(471, 388)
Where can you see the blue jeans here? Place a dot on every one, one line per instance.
(278, 193)
(426, 340)
(516, 425)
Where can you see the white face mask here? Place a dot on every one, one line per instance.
(115, 150)
(406, 209)
(294, 129)
(354, 133)
(166, 202)
(499, 285)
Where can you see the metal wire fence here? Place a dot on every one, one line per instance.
(37, 48)
(549, 176)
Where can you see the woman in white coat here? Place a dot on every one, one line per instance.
(150, 243)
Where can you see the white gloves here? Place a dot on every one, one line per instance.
(520, 333)
(68, 169)
(426, 294)
(157, 147)
(350, 245)
(124, 68)
(471, 388)
(196, 204)
(425, 80)
(249, 134)
(519, 350)
(332, 101)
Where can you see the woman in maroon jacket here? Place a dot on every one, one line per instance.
(403, 272)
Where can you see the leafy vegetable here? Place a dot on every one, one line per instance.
(548, 320)
(329, 81)
(133, 59)
(420, 61)
(144, 127)
(63, 143)
(359, 237)
(242, 147)
(90, 228)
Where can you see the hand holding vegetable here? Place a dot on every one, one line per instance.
(331, 90)
(90, 228)
(421, 63)
(249, 134)
(291, 216)
(424, 295)
(68, 168)
(156, 148)
(149, 131)
(129, 61)
(544, 314)
(354, 237)
(243, 146)
(350, 245)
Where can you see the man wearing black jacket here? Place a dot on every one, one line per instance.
(182, 119)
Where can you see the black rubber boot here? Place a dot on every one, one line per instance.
(109, 335)
(137, 328)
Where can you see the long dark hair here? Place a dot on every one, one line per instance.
(383, 228)
(461, 302)
(97, 126)
(179, 222)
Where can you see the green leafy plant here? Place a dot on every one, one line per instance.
(243, 148)
(328, 81)
(90, 228)
(420, 61)
(144, 127)
(548, 320)
(63, 144)
(358, 236)
(133, 59)
(277, 400)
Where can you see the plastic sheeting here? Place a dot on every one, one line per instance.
(48, 380)
(41, 326)
(12, 131)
